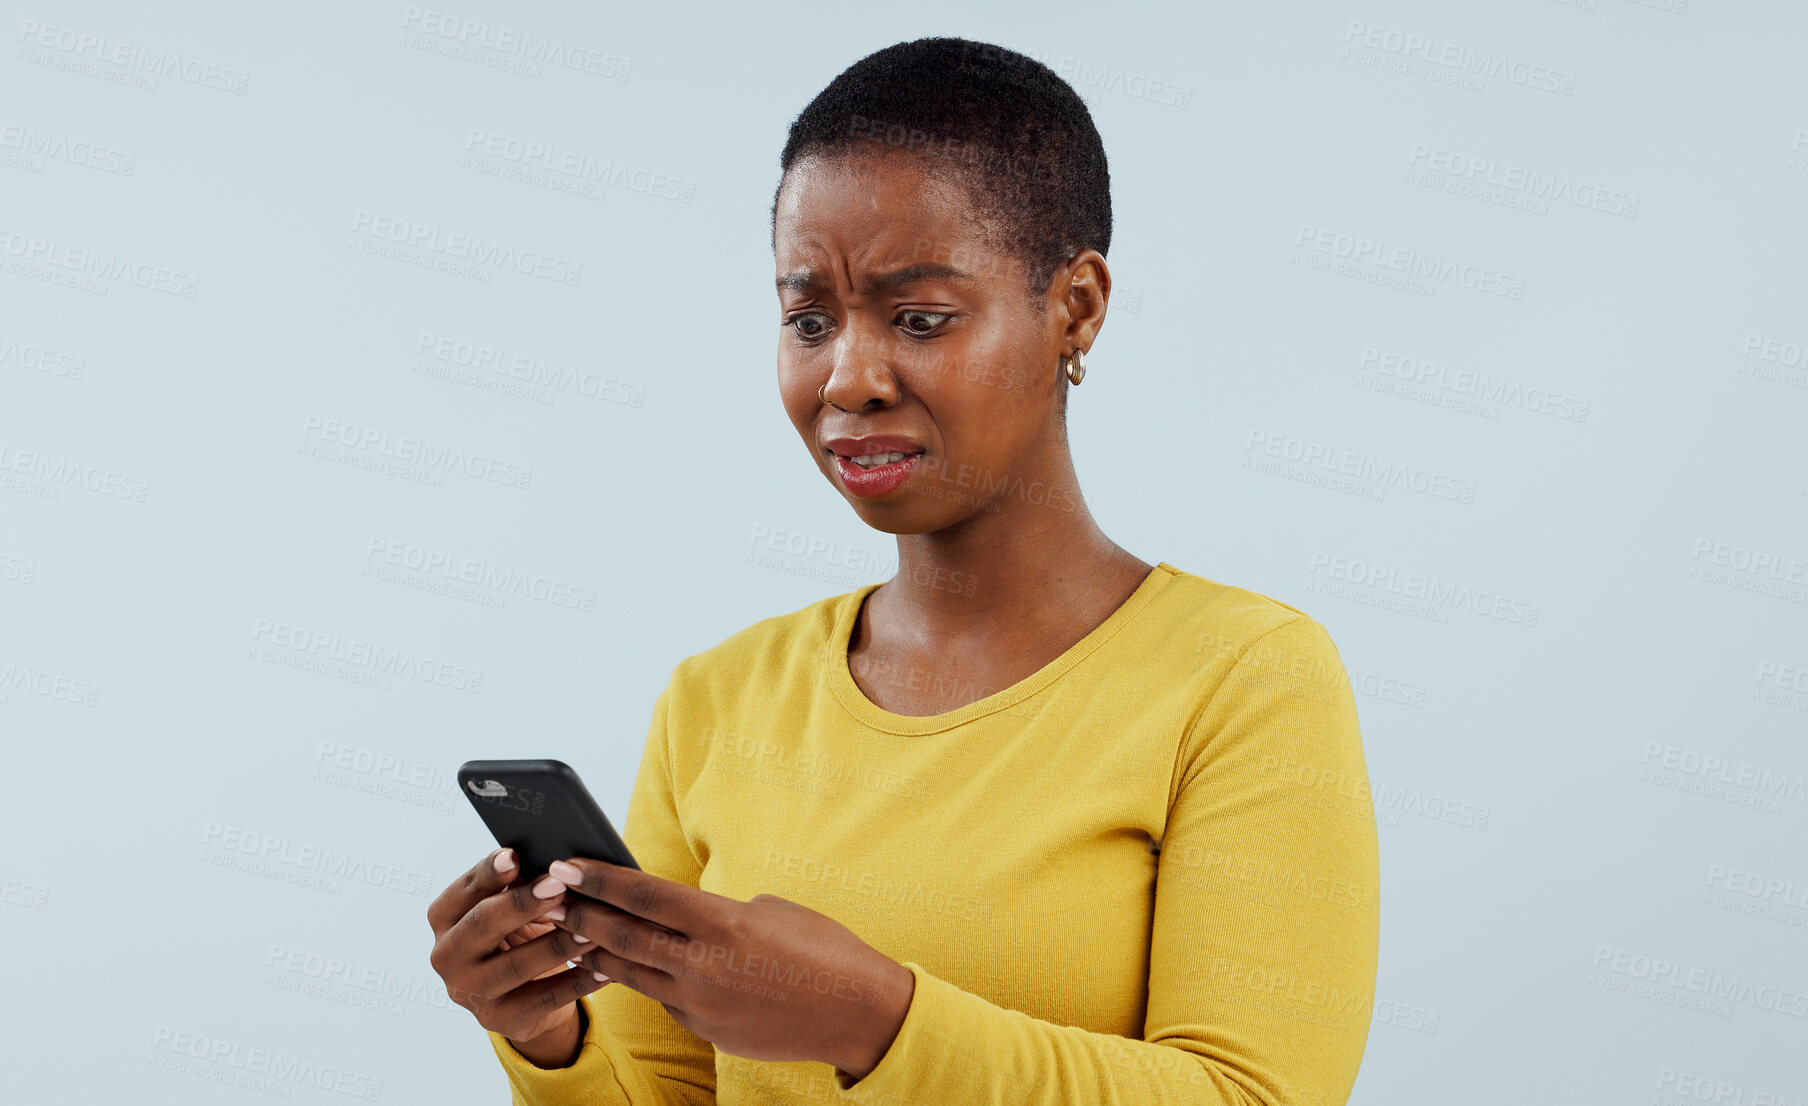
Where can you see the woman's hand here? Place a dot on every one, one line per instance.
(504, 960)
(766, 979)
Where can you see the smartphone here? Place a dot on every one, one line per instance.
(543, 811)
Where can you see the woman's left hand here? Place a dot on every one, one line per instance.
(767, 979)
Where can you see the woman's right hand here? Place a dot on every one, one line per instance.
(504, 961)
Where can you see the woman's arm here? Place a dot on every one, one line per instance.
(1263, 947)
(632, 1051)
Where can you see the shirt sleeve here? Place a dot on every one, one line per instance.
(1263, 947)
(633, 1053)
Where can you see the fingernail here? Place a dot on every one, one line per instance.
(505, 860)
(565, 872)
(557, 913)
(580, 938)
(547, 887)
(600, 977)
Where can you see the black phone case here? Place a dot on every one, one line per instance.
(547, 813)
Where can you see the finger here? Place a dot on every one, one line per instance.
(483, 927)
(676, 906)
(639, 941)
(531, 1002)
(657, 985)
(501, 972)
(617, 931)
(484, 879)
(529, 931)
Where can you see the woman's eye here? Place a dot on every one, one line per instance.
(810, 324)
(921, 322)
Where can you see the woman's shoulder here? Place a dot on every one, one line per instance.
(1225, 620)
(767, 649)
(1238, 646)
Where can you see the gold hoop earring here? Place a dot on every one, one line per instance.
(1075, 367)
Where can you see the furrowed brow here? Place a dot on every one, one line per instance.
(808, 280)
(910, 274)
(802, 280)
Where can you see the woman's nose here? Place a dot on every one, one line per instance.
(861, 371)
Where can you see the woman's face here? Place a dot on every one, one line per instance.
(924, 334)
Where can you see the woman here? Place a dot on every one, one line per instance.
(1032, 822)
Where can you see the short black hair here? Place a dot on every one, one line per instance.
(1016, 137)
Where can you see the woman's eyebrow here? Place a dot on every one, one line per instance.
(809, 280)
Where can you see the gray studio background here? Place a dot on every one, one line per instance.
(1546, 258)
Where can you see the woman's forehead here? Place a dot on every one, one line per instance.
(878, 220)
(867, 186)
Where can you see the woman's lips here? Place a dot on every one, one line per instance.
(878, 480)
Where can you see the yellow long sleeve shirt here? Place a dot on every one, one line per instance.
(1145, 874)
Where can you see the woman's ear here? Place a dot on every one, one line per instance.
(1083, 286)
